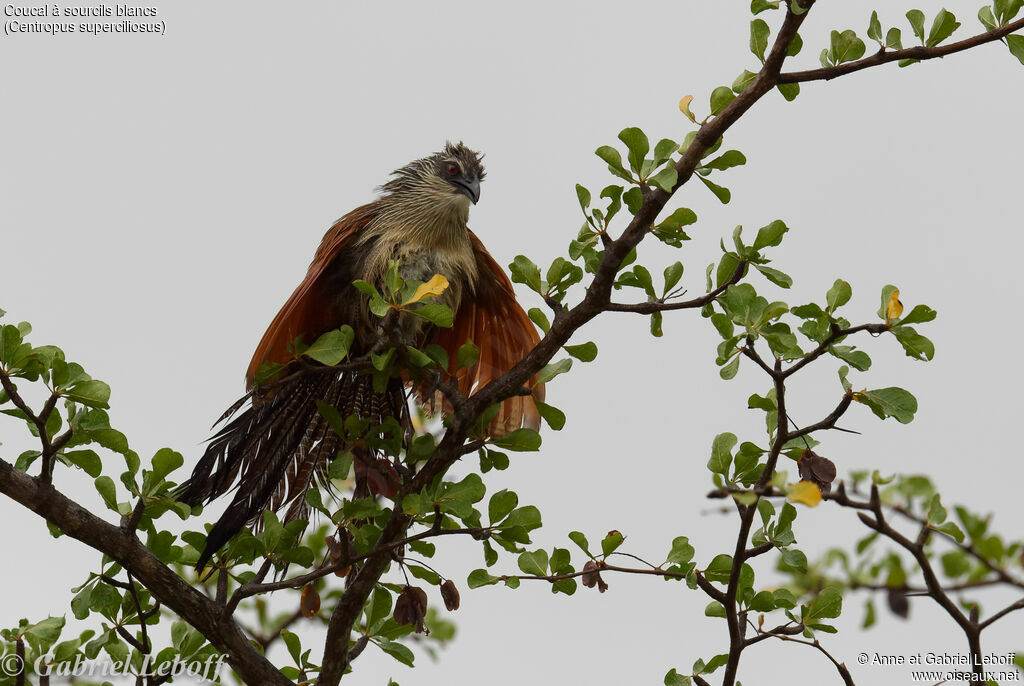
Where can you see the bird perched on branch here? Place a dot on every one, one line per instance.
(281, 444)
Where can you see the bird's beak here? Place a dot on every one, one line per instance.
(470, 187)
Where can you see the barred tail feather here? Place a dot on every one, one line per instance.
(280, 446)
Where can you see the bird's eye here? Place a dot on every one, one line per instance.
(453, 170)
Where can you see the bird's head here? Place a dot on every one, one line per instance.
(452, 175)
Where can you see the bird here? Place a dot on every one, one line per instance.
(280, 445)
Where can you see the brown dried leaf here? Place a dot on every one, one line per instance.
(450, 595)
(309, 605)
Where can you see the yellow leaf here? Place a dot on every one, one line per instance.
(895, 308)
(805, 493)
(684, 107)
(436, 286)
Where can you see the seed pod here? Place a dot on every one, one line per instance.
(309, 604)
(450, 595)
(817, 469)
(411, 608)
(898, 603)
(592, 576)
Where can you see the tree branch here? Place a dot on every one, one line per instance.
(173, 591)
(916, 53)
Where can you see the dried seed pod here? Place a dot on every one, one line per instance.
(817, 469)
(450, 595)
(898, 603)
(411, 608)
(592, 576)
(309, 604)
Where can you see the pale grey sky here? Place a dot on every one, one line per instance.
(163, 195)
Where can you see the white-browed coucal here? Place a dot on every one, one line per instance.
(280, 445)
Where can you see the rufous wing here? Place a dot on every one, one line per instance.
(492, 319)
(311, 310)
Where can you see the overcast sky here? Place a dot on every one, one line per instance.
(162, 195)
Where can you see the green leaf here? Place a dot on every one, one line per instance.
(1006, 10)
(720, 569)
(614, 160)
(584, 352)
(553, 369)
(729, 370)
(789, 90)
(480, 577)
(611, 542)
(714, 609)
(105, 487)
(838, 295)
(666, 179)
(894, 39)
(778, 278)
(435, 313)
(988, 19)
(535, 563)
(91, 393)
(918, 315)
(794, 560)
(673, 678)
(368, 289)
(916, 19)
(742, 81)
(1016, 44)
(656, 319)
(538, 317)
(670, 231)
(332, 347)
(584, 197)
(638, 145)
(846, 47)
(267, 372)
(720, 192)
(501, 505)
(727, 160)
(520, 440)
(759, 33)
(467, 355)
(166, 461)
(828, 605)
(681, 552)
(889, 402)
(552, 415)
(398, 651)
(88, 460)
(721, 97)
(380, 606)
(579, 539)
(795, 46)
(936, 512)
(875, 28)
(914, 344)
(664, 150)
(758, 6)
(721, 453)
(770, 235)
(857, 359)
(943, 27)
(673, 273)
(525, 271)
(470, 490)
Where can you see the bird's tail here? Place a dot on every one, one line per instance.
(280, 446)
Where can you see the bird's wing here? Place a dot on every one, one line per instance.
(493, 321)
(310, 311)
